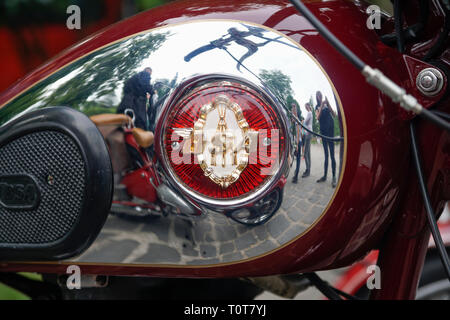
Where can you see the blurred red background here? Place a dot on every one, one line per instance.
(33, 31)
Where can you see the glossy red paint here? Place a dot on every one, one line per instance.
(403, 250)
(377, 169)
(356, 277)
(138, 183)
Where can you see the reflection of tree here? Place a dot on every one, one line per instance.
(289, 101)
(278, 83)
(94, 82)
(162, 87)
(101, 75)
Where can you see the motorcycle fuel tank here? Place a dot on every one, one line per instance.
(232, 81)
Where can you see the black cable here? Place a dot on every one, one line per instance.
(328, 291)
(398, 23)
(433, 117)
(432, 223)
(322, 286)
(335, 139)
(441, 114)
(335, 42)
(426, 114)
(413, 32)
(345, 294)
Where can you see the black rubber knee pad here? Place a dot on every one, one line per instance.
(56, 185)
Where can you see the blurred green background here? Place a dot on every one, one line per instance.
(7, 293)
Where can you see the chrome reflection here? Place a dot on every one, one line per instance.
(146, 73)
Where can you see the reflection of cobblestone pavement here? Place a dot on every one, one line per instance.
(215, 239)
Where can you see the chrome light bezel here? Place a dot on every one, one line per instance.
(188, 87)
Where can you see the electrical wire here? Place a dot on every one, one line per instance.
(411, 32)
(436, 119)
(328, 291)
(441, 114)
(397, 94)
(431, 217)
(398, 24)
(335, 139)
(322, 286)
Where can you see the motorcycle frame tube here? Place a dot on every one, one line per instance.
(403, 250)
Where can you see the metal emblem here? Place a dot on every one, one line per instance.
(19, 192)
(222, 141)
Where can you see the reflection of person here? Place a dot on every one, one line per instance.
(325, 115)
(307, 140)
(297, 139)
(137, 94)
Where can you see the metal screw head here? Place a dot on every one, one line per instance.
(430, 81)
(175, 145)
(51, 180)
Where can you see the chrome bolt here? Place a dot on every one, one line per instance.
(266, 141)
(51, 180)
(430, 81)
(175, 145)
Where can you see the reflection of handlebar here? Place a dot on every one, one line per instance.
(216, 44)
(198, 51)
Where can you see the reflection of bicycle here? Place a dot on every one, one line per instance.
(135, 194)
(139, 192)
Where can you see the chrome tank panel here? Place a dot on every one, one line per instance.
(263, 58)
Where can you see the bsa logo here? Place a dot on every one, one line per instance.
(222, 140)
(19, 192)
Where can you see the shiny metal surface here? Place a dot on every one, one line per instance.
(430, 81)
(180, 55)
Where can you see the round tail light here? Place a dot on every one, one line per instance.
(224, 142)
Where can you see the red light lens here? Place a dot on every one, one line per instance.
(190, 121)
